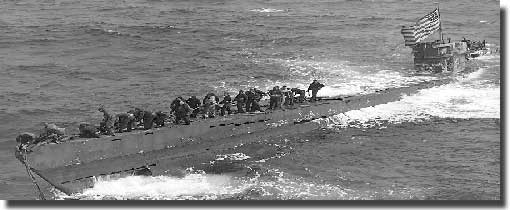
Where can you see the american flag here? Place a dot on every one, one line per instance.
(423, 28)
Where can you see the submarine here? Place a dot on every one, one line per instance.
(72, 165)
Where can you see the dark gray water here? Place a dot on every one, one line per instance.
(61, 59)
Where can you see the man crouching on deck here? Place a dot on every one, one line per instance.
(106, 126)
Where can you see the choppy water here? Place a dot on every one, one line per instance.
(61, 59)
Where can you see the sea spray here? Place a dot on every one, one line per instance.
(455, 100)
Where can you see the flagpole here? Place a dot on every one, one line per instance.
(440, 28)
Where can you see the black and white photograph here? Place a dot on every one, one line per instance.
(259, 100)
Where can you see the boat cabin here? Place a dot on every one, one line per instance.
(438, 56)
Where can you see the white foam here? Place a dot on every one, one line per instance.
(490, 57)
(192, 186)
(234, 156)
(369, 83)
(461, 99)
(340, 77)
(275, 184)
(266, 10)
(286, 187)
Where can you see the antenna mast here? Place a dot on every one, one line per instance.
(440, 25)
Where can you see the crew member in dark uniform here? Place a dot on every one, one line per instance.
(210, 104)
(274, 98)
(52, 133)
(257, 97)
(302, 94)
(123, 122)
(240, 99)
(137, 114)
(285, 96)
(182, 112)
(131, 122)
(315, 86)
(250, 97)
(159, 119)
(88, 131)
(148, 119)
(106, 126)
(175, 103)
(25, 139)
(194, 104)
(227, 103)
(216, 99)
(291, 97)
(259, 94)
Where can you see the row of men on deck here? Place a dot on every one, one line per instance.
(182, 110)
(211, 105)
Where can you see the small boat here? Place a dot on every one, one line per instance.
(438, 55)
(476, 48)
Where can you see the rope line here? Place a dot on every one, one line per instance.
(27, 167)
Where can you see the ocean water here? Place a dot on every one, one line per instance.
(61, 59)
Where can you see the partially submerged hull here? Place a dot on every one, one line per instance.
(71, 166)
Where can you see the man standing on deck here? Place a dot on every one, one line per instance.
(106, 126)
(241, 98)
(285, 96)
(290, 99)
(250, 95)
(275, 96)
(279, 96)
(315, 86)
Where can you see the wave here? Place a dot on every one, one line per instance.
(115, 30)
(266, 10)
(111, 32)
(461, 99)
(303, 41)
(118, 8)
(268, 185)
(490, 57)
(191, 187)
(341, 77)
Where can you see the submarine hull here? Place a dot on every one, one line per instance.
(73, 165)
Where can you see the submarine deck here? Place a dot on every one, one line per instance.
(71, 165)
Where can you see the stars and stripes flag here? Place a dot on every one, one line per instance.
(423, 28)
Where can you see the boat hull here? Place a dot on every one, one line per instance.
(73, 165)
